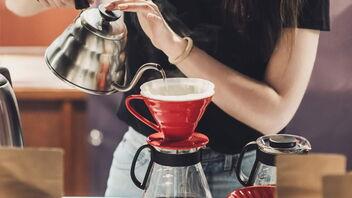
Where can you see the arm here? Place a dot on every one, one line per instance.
(32, 7)
(24, 7)
(266, 106)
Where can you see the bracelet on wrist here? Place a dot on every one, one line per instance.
(184, 54)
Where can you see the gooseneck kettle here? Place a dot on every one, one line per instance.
(90, 53)
(10, 124)
(263, 171)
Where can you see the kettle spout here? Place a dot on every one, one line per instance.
(140, 71)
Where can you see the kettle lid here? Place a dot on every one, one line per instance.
(283, 143)
(104, 23)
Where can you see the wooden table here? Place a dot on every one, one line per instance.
(53, 114)
(57, 118)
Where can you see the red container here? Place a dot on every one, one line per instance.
(254, 192)
(177, 120)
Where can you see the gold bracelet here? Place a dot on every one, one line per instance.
(185, 52)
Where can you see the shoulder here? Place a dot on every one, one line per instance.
(314, 14)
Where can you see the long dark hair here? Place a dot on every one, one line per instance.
(240, 10)
(263, 20)
(273, 16)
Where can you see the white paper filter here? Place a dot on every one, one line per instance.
(178, 89)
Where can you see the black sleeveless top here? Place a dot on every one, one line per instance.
(246, 50)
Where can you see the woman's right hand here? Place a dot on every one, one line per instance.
(32, 7)
(60, 3)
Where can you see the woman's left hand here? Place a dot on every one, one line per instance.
(153, 24)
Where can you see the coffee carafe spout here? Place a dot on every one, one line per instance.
(138, 75)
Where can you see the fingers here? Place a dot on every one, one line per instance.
(139, 7)
(52, 3)
(120, 4)
(45, 3)
(68, 3)
(58, 3)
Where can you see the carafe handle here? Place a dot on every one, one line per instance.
(242, 178)
(141, 185)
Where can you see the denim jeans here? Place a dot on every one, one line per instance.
(218, 168)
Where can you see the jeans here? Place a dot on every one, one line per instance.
(218, 168)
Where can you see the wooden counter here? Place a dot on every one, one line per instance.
(57, 118)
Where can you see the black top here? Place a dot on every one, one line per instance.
(246, 50)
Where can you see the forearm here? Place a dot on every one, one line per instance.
(266, 105)
(250, 101)
(24, 7)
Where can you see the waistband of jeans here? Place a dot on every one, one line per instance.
(135, 138)
(228, 160)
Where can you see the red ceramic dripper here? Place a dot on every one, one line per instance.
(176, 113)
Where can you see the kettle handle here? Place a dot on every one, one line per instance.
(242, 178)
(133, 167)
(81, 4)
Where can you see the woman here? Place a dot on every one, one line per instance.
(259, 54)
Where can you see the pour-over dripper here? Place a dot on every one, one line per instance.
(176, 104)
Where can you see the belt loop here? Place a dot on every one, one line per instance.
(228, 163)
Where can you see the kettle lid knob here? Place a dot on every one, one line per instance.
(278, 141)
(108, 15)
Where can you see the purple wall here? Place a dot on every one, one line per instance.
(325, 115)
(102, 117)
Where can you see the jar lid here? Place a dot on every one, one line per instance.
(104, 23)
(283, 143)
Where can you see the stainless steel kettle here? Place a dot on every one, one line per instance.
(267, 147)
(90, 53)
(10, 124)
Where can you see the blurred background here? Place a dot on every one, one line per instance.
(85, 126)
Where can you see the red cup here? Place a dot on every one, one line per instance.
(254, 192)
(178, 119)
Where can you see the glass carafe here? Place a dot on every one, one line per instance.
(267, 147)
(173, 174)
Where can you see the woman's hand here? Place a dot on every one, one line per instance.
(32, 7)
(57, 3)
(153, 24)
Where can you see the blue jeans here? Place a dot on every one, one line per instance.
(218, 168)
